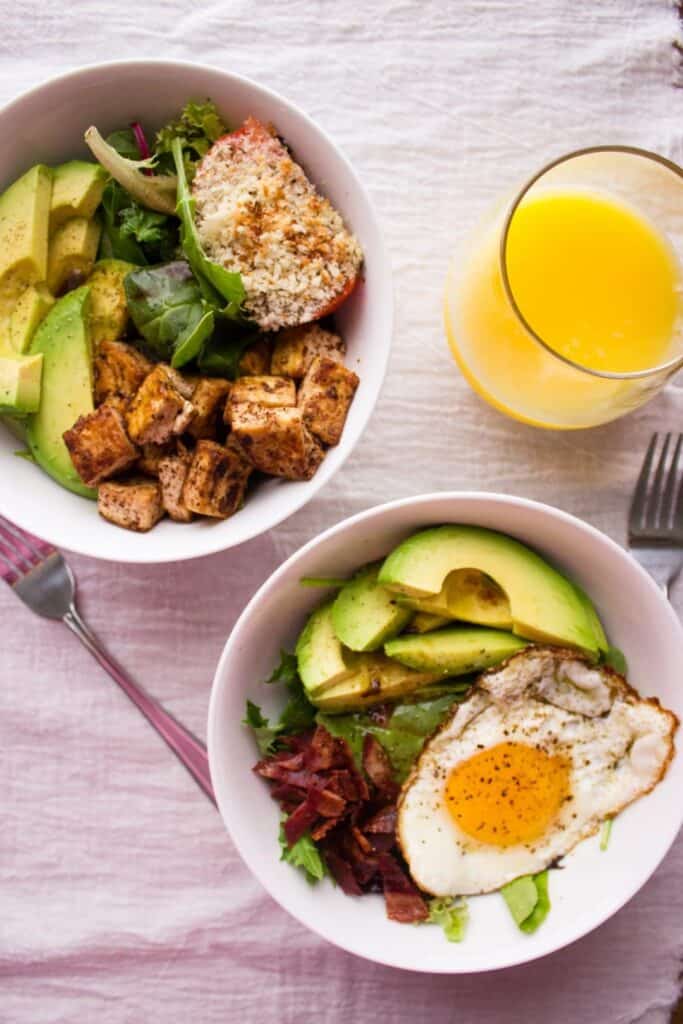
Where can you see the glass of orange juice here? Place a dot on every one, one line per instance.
(564, 309)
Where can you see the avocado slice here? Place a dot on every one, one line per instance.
(20, 383)
(425, 622)
(72, 251)
(63, 340)
(31, 309)
(469, 595)
(455, 651)
(76, 191)
(365, 614)
(24, 212)
(377, 679)
(108, 306)
(320, 656)
(544, 605)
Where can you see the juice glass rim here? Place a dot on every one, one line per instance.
(668, 367)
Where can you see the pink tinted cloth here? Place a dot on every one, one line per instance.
(121, 898)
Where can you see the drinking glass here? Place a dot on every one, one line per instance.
(501, 354)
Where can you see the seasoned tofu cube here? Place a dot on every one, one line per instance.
(152, 454)
(296, 348)
(216, 480)
(255, 360)
(208, 399)
(276, 440)
(160, 408)
(172, 475)
(99, 445)
(119, 371)
(134, 505)
(325, 395)
(265, 390)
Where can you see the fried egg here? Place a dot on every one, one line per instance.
(544, 749)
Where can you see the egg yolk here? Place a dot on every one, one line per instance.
(507, 794)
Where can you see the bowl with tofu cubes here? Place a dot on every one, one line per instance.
(195, 310)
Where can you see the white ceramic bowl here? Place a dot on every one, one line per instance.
(594, 884)
(47, 125)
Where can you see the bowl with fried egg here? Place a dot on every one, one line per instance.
(512, 779)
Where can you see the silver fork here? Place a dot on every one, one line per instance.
(655, 522)
(41, 578)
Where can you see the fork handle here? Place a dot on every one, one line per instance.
(187, 748)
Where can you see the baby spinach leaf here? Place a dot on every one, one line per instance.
(298, 713)
(166, 306)
(125, 143)
(304, 855)
(115, 243)
(221, 288)
(451, 914)
(402, 737)
(221, 355)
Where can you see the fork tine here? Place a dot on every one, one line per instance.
(25, 539)
(655, 498)
(12, 553)
(639, 500)
(670, 486)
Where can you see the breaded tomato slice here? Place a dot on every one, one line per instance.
(258, 214)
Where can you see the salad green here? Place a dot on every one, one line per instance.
(528, 900)
(304, 854)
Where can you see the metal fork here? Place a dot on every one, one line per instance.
(41, 578)
(655, 522)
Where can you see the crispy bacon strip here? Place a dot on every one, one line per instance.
(403, 900)
(377, 767)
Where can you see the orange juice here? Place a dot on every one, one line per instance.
(594, 279)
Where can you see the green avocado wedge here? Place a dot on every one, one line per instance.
(544, 605)
(454, 651)
(63, 339)
(319, 654)
(365, 614)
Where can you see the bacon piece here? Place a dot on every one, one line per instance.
(403, 900)
(326, 751)
(377, 767)
(301, 820)
(384, 821)
(342, 873)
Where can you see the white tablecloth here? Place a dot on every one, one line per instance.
(121, 898)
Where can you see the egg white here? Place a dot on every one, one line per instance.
(617, 745)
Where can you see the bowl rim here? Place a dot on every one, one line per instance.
(213, 540)
(221, 678)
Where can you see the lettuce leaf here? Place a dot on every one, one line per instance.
(304, 855)
(528, 900)
(197, 128)
(166, 306)
(606, 833)
(298, 713)
(402, 737)
(264, 733)
(220, 288)
(155, 191)
(451, 914)
(616, 659)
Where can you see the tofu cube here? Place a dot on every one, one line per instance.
(296, 348)
(208, 399)
(276, 441)
(255, 359)
(134, 505)
(119, 371)
(325, 395)
(216, 480)
(99, 445)
(172, 475)
(151, 456)
(160, 408)
(269, 391)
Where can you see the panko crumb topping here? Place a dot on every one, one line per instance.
(258, 214)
